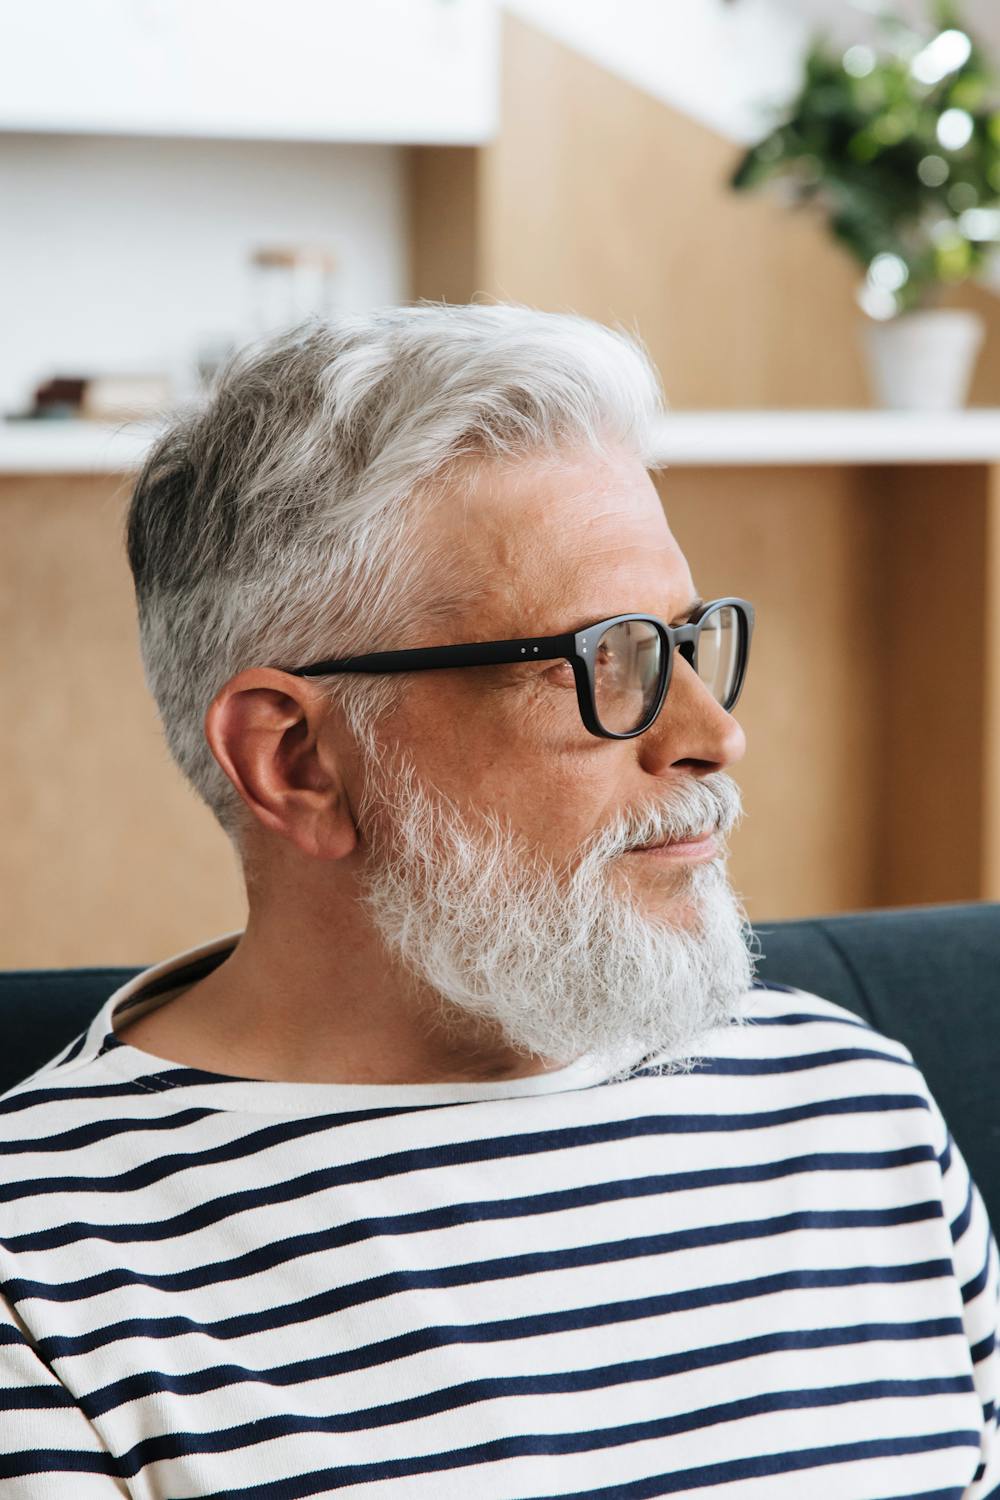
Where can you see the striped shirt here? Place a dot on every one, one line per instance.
(767, 1278)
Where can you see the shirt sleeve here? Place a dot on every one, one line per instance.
(977, 1272)
(49, 1449)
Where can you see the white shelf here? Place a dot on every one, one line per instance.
(717, 438)
(702, 439)
(70, 447)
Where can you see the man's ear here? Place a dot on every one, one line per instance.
(265, 729)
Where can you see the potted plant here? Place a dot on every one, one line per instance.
(898, 145)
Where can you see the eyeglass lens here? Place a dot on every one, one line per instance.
(628, 662)
(717, 655)
(626, 675)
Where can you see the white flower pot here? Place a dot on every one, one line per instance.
(923, 360)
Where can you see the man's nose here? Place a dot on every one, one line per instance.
(692, 728)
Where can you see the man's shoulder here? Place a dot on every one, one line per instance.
(793, 1057)
(796, 1012)
(781, 1025)
(72, 1088)
(74, 1128)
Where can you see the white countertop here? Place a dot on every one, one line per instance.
(863, 436)
(708, 439)
(69, 447)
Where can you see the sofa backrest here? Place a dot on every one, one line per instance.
(929, 976)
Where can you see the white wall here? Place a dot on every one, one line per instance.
(344, 70)
(122, 255)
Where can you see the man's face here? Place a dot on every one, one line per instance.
(559, 546)
(503, 861)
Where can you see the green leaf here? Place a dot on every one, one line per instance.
(850, 149)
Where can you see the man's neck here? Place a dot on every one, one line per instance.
(294, 1013)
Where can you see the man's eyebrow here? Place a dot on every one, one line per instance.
(689, 610)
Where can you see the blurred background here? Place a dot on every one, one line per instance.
(796, 204)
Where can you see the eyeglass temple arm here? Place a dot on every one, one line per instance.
(424, 658)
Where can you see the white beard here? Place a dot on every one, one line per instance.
(555, 958)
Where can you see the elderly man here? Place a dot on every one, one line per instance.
(477, 1165)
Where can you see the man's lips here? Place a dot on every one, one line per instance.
(697, 846)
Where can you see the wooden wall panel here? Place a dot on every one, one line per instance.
(107, 857)
(928, 632)
(443, 184)
(604, 200)
(990, 851)
(798, 543)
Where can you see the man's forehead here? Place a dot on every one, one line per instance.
(565, 537)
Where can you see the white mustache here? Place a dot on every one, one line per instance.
(712, 805)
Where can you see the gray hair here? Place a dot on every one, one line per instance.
(276, 520)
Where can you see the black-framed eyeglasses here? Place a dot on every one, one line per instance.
(622, 665)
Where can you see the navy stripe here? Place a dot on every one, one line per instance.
(798, 1062)
(76, 1048)
(34, 1397)
(959, 1225)
(336, 1236)
(85, 1135)
(102, 1130)
(809, 1018)
(751, 1466)
(953, 1492)
(984, 1348)
(392, 1164)
(501, 1268)
(31, 1096)
(65, 1057)
(57, 1461)
(471, 1392)
(972, 1288)
(536, 1325)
